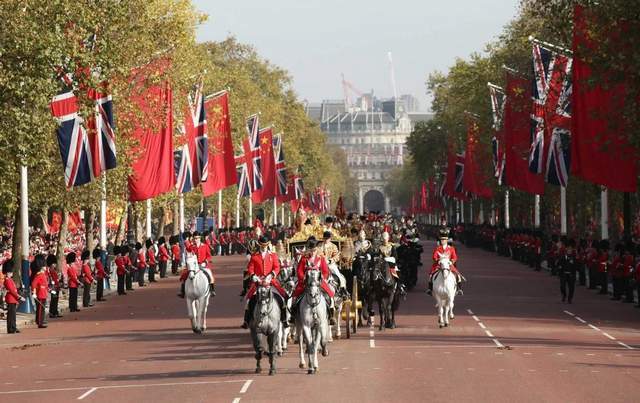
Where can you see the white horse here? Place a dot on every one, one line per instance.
(444, 291)
(313, 321)
(196, 289)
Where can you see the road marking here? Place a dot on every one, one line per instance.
(372, 343)
(246, 385)
(486, 330)
(87, 393)
(67, 363)
(371, 333)
(489, 334)
(607, 335)
(470, 312)
(482, 325)
(498, 344)
(236, 400)
(141, 385)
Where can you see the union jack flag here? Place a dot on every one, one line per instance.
(104, 139)
(75, 148)
(199, 124)
(281, 172)
(298, 186)
(183, 169)
(252, 150)
(244, 187)
(459, 172)
(498, 98)
(551, 116)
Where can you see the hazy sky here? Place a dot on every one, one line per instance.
(316, 41)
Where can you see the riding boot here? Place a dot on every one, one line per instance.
(459, 286)
(212, 289)
(294, 312)
(181, 295)
(247, 318)
(332, 320)
(283, 316)
(430, 290)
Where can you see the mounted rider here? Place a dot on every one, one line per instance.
(203, 254)
(313, 260)
(445, 250)
(264, 267)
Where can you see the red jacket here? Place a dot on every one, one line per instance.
(603, 262)
(151, 256)
(203, 252)
(627, 265)
(100, 273)
(163, 253)
(55, 278)
(40, 286)
(263, 266)
(175, 251)
(440, 251)
(86, 274)
(72, 274)
(318, 262)
(12, 296)
(142, 264)
(122, 262)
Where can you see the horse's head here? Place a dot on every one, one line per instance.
(192, 265)
(312, 281)
(444, 263)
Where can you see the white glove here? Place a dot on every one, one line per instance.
(255, 278)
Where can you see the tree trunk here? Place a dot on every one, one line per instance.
(120, 236)
(162, 221)
(176, 218)
(62, 239)
(90, 216)
(16, 249)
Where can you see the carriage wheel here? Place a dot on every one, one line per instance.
(354, 298)
(347, 306)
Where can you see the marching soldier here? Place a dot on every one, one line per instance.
(568, 266)
(12, 298)
(101, 274)
(87, 279)
(627, 273)
(603, 266)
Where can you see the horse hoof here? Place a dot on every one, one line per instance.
(258, 370)
(441, 326)
(325, 352)
(272, 372)
(301, 365)
(446, 325)
(280, 353)
(310, 371)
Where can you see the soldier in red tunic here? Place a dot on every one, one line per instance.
(264, 267)
(54, 285)
(39, 288)
(141, 264)
(444, 250)
(12, 298)
(101, 274)
(122, 266)
(163, 256)
(87, 279)
(203, 254)
(72, 281)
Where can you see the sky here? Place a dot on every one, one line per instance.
(317, 41)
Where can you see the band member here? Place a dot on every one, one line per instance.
(444, 250)
(12, 298)
(87, 279)
(39, 289)
(54, 286)
(101, 274)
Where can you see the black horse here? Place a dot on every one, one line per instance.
(362, 269)
(386, 292)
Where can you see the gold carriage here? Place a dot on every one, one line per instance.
(352, 306)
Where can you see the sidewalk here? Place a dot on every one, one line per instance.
(24, 320)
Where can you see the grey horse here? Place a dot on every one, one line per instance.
(266, 326)
(313, 321)
(196, 289)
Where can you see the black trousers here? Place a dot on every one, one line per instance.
(53, 304)
(151, 273)
(163, 269)
(567, 282)
(99, 289)
(121, 278)
(593, 278)
(11, 318)
(40, 311)
(175, 264)
(582, 275)
(628, 289)
(617, 287)
(86, 295)
(604, 283)
(140, 277)
(128, 279)
(73, 299)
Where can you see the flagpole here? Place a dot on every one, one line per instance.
(220, 208)
(282, 214)
(237, 210)
(470, 211)
(181, 208)
(481, 216)
(506, 209)
(536, 211)
(103, 214)
(275, 211)
(563, 210)
(604, 213)
(26, 306)
(250, 212)
(148, 218)
(462, 211)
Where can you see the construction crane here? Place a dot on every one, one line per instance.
(347, 89)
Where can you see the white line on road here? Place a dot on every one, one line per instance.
(486, 330)
(593, 327)
(470, 312)
(581, 320)
(482, 325)
(372, 343)
(607, 335)
(246, 385)
(498, 344)
(236, 400)
(489, 334)
(569, 313)
(625, 345)
(475, 318)
(87, 393)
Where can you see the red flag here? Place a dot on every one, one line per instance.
(56, 221)
(473, 180)
(153, 158)
(75, 222)
(222, 168)
(517, 132)
(600, 152)
(423, 198)
(268, 168)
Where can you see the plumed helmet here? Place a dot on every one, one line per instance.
(444, 233)
(85, 254)
(96, 253)
(71, 257)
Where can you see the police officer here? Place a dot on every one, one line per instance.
(568, 267)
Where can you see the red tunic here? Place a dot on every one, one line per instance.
(142, 264)
(12, 296)
(175, 251)
(55, 278)
(122, 262)
(317, 262)
(163, 253)
(627, 269)
(100, 273)
(441, 251)
(263, 266)
(203, 252)
(72, 274)
(40, 286)
(151, 257)
(603, 261)
(86, 274)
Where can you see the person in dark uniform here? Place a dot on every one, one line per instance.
(87, 279)
(54, 285)
(12, 298)
(101, 274)
(73, 282)
(568, 268)
(603, 266)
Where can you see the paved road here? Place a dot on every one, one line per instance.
(512, 340)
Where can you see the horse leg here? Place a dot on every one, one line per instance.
(451, 315)
(258, 349)
(316, 346)
(272, 340)
(301, 345)
(278, 338)
(338, 315)
(387, 312)
(204, 313)
(191, 313)
(381, 310)
(309, 343)
(440, 311)
(201, 310)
